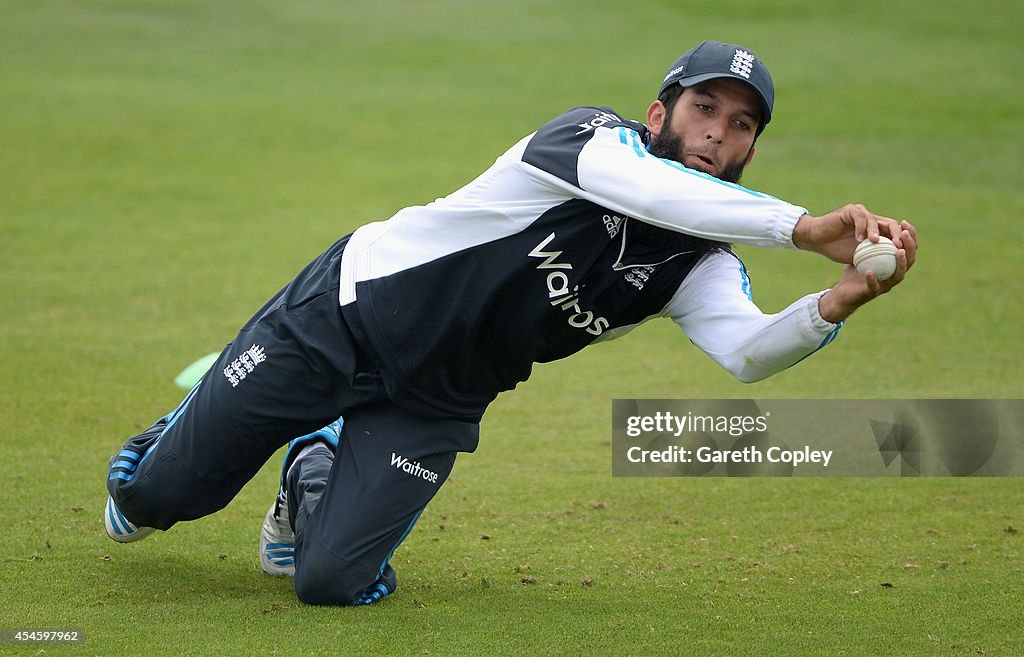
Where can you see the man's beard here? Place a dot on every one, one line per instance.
(670, 146)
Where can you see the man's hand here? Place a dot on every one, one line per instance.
(836, 234)
(854, 290)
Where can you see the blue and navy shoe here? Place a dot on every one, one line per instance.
(385, 585)
(277, 537)
(122, 468)
(118, 527)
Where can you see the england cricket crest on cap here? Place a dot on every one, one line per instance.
(742, 63)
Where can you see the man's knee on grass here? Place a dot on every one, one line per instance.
(323, 579)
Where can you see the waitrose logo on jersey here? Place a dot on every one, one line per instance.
(559, 293)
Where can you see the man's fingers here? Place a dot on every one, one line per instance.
(886, 226)
(832, 232)
(910, 247)
(869, 226)
(892, 230)
(874, 287)
(865, 224)
(906, 226)
(902, 264)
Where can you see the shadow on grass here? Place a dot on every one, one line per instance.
(167, 577)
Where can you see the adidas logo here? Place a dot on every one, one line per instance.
(612, 223)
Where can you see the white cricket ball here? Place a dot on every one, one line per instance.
(880, 256)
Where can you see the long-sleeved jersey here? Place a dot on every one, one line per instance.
(576, 234)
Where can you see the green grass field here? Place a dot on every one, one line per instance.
(166, 166)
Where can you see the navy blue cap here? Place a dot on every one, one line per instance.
(714, 59)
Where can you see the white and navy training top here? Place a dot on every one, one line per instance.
(576, 234)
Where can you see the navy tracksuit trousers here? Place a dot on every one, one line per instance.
(292, 369)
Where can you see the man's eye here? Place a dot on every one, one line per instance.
(703, 108)
(743, 125)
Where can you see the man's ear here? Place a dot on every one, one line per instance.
(750, 156)
(656, 117)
